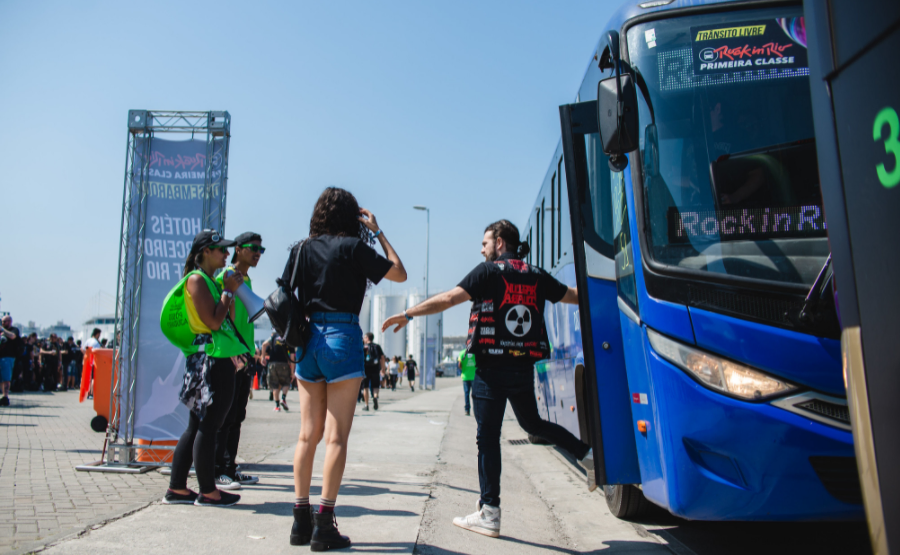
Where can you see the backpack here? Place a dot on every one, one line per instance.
(286, 311)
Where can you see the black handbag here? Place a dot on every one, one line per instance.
(286, 312)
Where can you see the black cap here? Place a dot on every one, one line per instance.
(243, 239)
(209, 238)
(246, 237)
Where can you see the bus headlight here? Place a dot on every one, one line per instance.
(718, 373)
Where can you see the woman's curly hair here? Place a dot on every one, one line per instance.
(337, 213)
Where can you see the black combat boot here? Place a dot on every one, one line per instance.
(325, 535)
(302, 530)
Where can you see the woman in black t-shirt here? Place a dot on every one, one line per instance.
(336, 264)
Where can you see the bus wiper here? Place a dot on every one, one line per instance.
(814, 297)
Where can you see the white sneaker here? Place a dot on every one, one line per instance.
(485, 521)
(226, 483)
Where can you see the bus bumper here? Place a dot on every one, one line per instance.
(719, 458)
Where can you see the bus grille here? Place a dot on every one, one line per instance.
(754, 306)
(826, 409)
(840, 477)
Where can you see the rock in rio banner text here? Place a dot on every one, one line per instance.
(750, 45)
(175, 195)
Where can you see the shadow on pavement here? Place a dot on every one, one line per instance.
(343, 511)
(612, 546)
(355, 489)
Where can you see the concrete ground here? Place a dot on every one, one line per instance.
(411, 469)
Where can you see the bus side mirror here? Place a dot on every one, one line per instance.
(617, 112)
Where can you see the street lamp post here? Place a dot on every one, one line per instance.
(427, 248)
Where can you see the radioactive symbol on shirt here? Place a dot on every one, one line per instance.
(518, 320)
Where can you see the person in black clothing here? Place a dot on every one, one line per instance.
(70, 355)
(10, 347)
(374, 367)
(411, 367)
(49, 364)
(279, 369)
(336, 265)
(507, 336)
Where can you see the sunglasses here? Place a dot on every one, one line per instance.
(254, 247)
(215, 248)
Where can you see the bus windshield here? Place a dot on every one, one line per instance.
(728, 155)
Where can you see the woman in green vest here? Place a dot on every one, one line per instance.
(197, 308)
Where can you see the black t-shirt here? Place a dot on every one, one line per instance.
(335, 273)
(68, 354)
(411, 367)
(11, 348)
(476, 283)
(50, 360)
(373, 354)
(277, 351)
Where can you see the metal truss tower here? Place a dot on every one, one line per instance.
(120, 452)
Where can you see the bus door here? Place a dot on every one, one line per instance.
(855, 81)
(606, 401)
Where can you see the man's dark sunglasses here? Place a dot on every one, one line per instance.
(254, 247)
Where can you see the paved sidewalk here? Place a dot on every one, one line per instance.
(387, 482)
(411, 468)
(43, 436)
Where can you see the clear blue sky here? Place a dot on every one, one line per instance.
(452, 105)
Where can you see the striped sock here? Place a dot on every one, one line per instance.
(326, 505)
(301, 502)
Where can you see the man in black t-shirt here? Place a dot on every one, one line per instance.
(507, 335)
(374, 368)
(277, 356)
(10, 346)
(411, 368)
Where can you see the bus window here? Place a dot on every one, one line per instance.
(553, 220)
(559, 172)
(543, 231)
(624, 257)
(599, 186)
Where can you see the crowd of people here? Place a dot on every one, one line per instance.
(32, 363)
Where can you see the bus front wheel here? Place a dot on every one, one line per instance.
(626, 501)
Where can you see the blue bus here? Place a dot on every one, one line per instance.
(703, 363)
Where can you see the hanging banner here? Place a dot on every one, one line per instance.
(174, 195)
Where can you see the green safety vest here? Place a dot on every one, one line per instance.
(241, 318)
(173, 319)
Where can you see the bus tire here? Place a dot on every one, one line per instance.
(535, 440)
(626, 501)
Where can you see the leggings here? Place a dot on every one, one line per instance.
(198, 442)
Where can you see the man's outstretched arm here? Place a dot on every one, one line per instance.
(571, 296)
(434, 305)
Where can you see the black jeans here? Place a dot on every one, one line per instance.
(230, 433)
(491, 389)
(197, 444)
(467, 393)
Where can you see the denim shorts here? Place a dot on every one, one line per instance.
(7, 365)
(335, 350)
